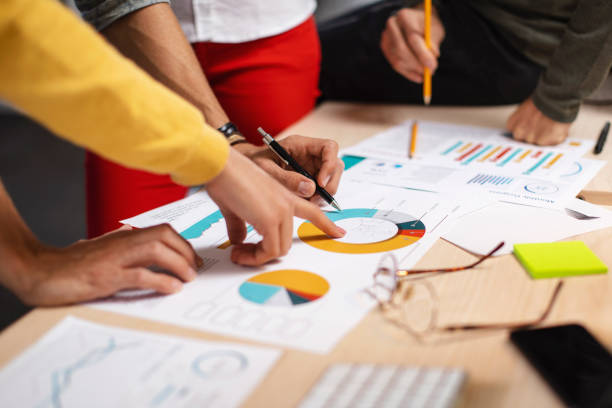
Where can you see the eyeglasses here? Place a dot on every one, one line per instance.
(411, 302)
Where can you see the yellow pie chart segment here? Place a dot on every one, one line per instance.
(410, 230)
(288, 288)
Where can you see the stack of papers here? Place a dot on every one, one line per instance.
(528, 191)
(468, 159)
(473, 186)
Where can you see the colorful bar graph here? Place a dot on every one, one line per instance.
(464, 148)
(538, 164)
(491, 153)
(453, 147)
(501, 154)
(509, 158)
(469, 152)
(527, 153)
(553, 161)
(475, 156)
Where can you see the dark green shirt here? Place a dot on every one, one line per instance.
(571, 39)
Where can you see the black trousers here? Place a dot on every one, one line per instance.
(477, 66)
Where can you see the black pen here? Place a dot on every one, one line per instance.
(601, 140)
(290, 161)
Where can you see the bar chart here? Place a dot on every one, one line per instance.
(515, 156)
(491, 179)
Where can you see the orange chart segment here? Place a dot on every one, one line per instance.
(409, 231)
(288, 287)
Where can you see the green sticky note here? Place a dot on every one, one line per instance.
(558, 259)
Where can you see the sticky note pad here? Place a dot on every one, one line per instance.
(558, 259)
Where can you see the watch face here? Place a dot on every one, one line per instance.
(229, 129)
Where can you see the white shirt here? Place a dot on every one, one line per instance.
(236, 21)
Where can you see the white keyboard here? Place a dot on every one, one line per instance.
(369, 385)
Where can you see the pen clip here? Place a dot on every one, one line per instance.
(268, 141)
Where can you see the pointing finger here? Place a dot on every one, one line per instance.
(312, 213)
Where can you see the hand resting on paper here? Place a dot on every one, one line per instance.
(45, 276)
(528, 124)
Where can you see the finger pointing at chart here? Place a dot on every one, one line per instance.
(269, 207)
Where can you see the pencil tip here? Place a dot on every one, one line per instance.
(427, 100)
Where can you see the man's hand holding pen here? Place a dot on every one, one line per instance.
(317, 156)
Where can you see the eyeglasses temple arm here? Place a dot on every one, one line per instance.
(407, 272)
(511, 326)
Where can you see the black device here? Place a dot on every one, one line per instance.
(572, 361)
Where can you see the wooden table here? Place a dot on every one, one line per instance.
(499, 292)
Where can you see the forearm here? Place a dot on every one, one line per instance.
(17, 244)
(153, 39)
(581, 62)
(57, 70)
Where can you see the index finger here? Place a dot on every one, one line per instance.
(308, 211)
(166, 234)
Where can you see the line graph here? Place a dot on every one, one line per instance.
(61, 379)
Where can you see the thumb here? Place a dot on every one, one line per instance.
(296, 183)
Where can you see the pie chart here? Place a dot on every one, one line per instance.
(288, 287)
(369, 230)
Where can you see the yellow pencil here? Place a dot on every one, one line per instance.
(427, 72)
(413, 139)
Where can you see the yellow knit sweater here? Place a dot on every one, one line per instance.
(57, 70)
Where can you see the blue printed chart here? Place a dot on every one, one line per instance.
(82, 364)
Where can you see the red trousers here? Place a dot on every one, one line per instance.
(271, 82)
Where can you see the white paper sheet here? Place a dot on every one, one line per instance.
(481, 230)
(461, 159)
(218, 300)
(83, 364)
(551, 192)
(450, 146)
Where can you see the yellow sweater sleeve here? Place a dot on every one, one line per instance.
(60, 72)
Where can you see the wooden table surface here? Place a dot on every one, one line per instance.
(500, 291)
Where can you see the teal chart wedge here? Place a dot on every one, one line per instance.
(197, 229)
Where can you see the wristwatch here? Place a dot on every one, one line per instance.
(232, 134)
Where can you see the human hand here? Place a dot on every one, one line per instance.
(529, 124)
(245, 193)
(403, 43)
(317, 156)
(99, 267)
